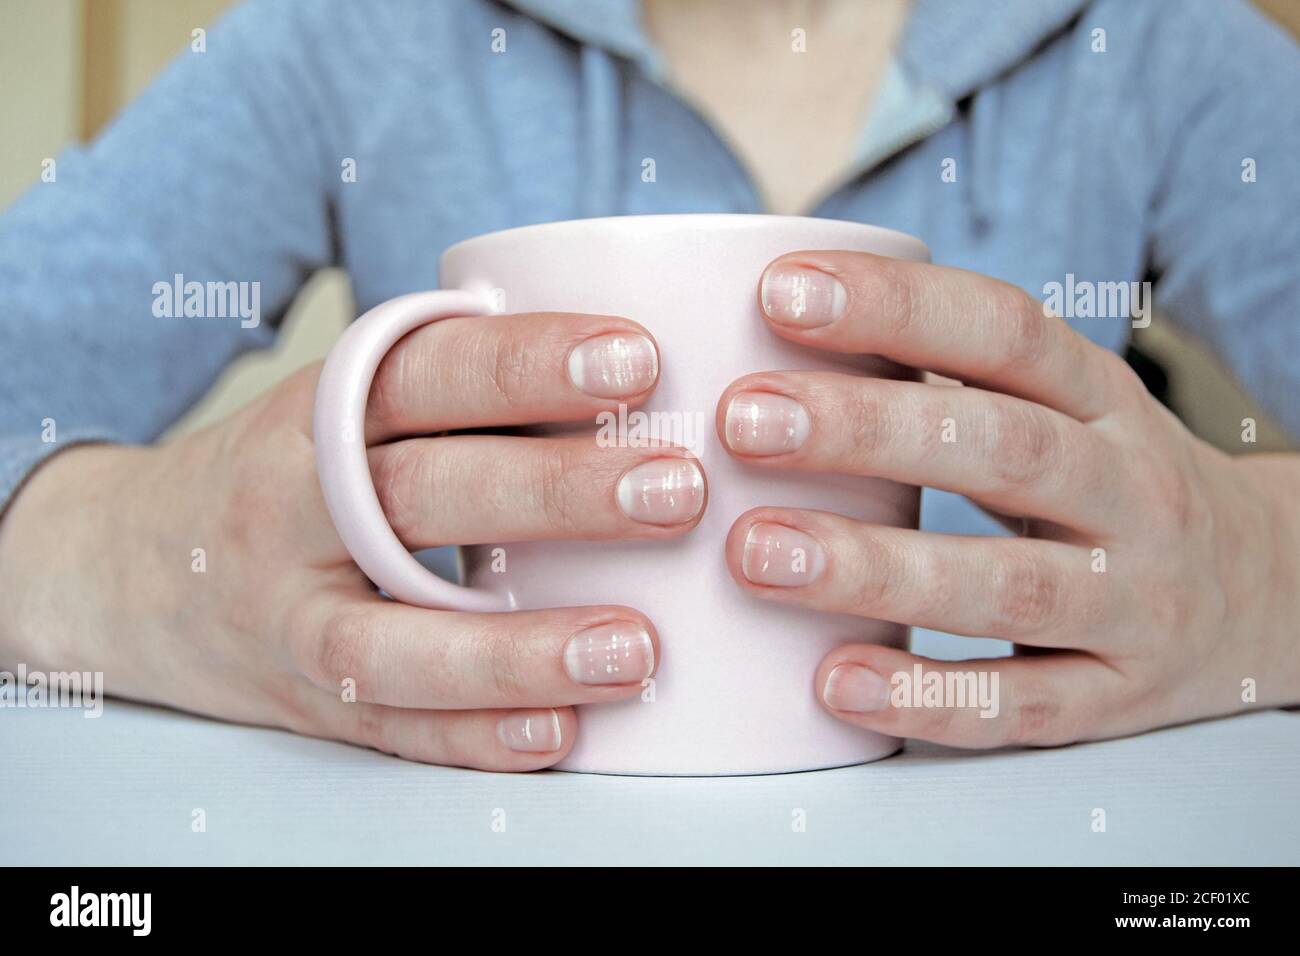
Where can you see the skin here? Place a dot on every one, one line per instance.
(95, 554)
(1059, 438)
(735, 61)
(1054, 434)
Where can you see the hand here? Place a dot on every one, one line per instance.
(1154, 580)
(100, 571)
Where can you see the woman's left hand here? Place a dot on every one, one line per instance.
(1155, 579)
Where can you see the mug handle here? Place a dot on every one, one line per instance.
(338, 429)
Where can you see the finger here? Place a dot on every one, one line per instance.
(490, 370)
(501, 740)
(1033, 592)
(961, 324)
(1020, 458)
(388, 653)
(474, 489)
(1040, 701)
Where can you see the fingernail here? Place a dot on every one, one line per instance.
(808, 298)
(782, 557)
(856, 689)
(618, 653)
(762, 423)
(530, 731)
(664, 491)
(614, 366)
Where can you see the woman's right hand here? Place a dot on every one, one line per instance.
(271, 622)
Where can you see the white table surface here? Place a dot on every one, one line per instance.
(121, 789)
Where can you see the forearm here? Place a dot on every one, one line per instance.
(56, 558)
(1274, 586)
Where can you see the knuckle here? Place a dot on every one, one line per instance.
(1028, 334)
(939, 724)
(1174, 604)
(507, 666)
(372, 729)
(253, 517)
(1038, 722)
(872, 422)
(402, 472)
(880, 577)
(344, 649)
(1177, 495)
(1021, 445)
(393, 386)
(1119, 378)
(1027, 595)
(1185, 508)
(891, 296)
(1039, 715)
(249, 514)
(558, 490)
(514, 367)
(1095, 604)
(1090, 474)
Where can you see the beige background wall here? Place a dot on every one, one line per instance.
(67, 65)
(40, 87)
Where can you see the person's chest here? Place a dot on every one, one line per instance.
(554, 132)
(787, 84)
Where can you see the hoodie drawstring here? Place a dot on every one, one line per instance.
(985, 150)
(602, 116)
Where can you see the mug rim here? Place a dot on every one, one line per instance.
(668, 222)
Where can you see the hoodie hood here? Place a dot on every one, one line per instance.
(959, 47)
(951, 45)
(949, 51)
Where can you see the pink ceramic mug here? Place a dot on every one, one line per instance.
(733, 693)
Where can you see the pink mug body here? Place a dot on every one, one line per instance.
(733, 691)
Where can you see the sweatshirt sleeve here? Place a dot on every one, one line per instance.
(1225, 242)
(219, 174)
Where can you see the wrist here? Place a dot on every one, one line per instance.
(1272, 581)
(51, 540)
